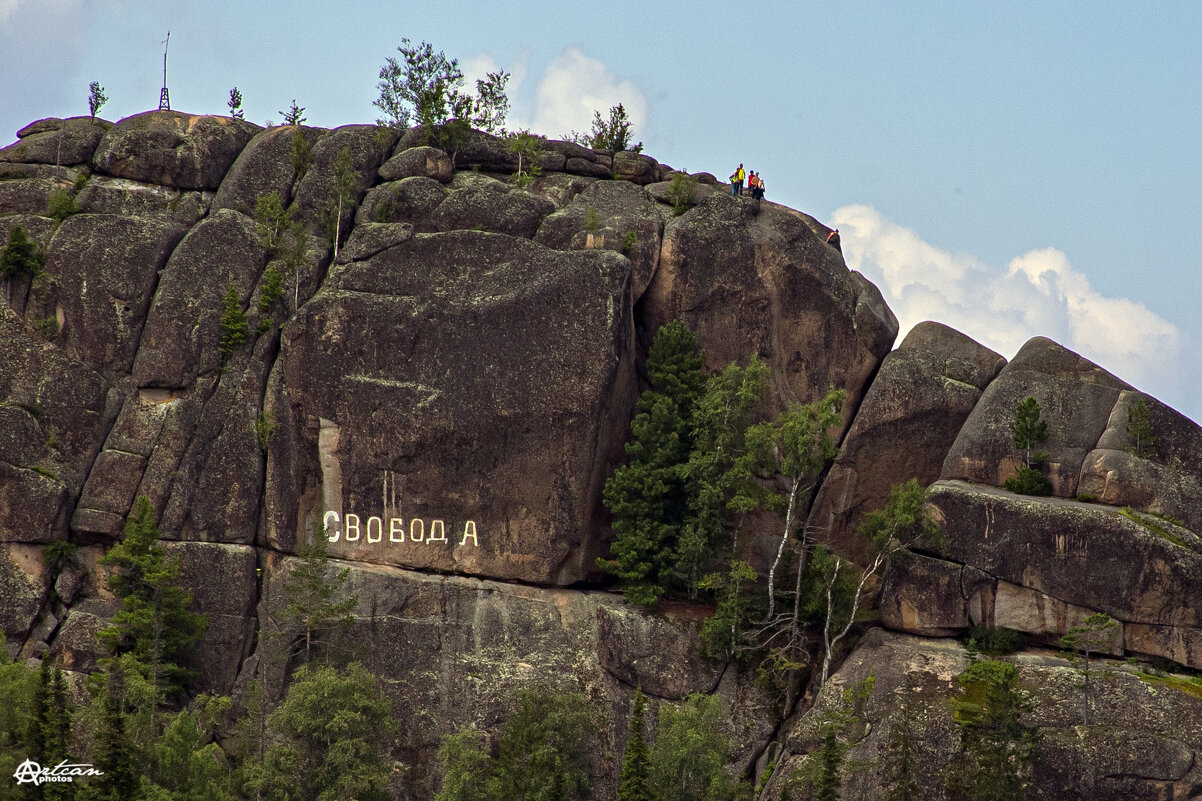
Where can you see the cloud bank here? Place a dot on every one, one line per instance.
(574, 86)
(1038, 294)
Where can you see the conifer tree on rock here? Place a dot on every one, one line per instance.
(636, 763)
(647, 496)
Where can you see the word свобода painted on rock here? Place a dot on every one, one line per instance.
(375, 529)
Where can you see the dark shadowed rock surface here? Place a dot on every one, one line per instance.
(104, 195)
(107, 267)
(264, 166)
(424, 161)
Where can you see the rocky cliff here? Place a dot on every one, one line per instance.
(448, 395)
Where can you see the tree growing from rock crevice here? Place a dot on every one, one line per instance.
(613, 132)
(22, 257)
(1029, 432)
(1094, 634)
(1140, 433)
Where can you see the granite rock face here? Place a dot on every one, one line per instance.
(443, 378)
(753, 279)
(910, 416)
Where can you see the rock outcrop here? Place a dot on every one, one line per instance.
(444, 379)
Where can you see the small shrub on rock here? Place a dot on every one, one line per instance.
(1029, 481)
(22, 257)
(234, 330)
(61, 205)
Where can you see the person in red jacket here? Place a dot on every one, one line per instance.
(832, 239)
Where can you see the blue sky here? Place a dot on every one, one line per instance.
(1010, 169)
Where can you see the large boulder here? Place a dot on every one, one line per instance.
(424, 161)
(467, 387)
(912, 413)
(25, 580)
(604, 215)
(490, 205)
(410, 200)
(1066, 559)
(1164, 477)
(171, 148)
(31, 195)
(1076, 398)
(103, 195)
(182, 332)
(107, 267)
(267, 164)
(62, 142)
(749, 282)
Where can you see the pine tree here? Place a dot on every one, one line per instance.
(327, 739)
(647, 496)
(636, 764)
(113, 753)
(153, 624)
(1140, 432)
(21, 257)
(235, 104)
(314, 615)
(691, 753)
(234, 331)
(96, 98)
(294, 115)
(1029, 430)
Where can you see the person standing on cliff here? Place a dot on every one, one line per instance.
(832, 239)
(736, 181)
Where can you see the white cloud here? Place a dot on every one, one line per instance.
(7, 8)
(477, 67)
(574, 86)
(1038, 294)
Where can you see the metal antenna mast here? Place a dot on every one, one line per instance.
(164, 98)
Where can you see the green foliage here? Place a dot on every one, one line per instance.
(1085, 497)
(47, 328)
(96, 98)
(721, 633)
(629, 240)
(113, 752)
(295, 115)
(272, 220)
(1141, 436)
(636, 763)
(326, 739)
(342, 194)
(273, 288)
(615, 132)
(185, 764)
(691, 752)
(996, 641)
(647, 496)
(904, 519)
(235, 104)
(542, 752)
(61, 204)
(425, 88)
(901, 763)
(718, 470)
(18, 684)
(1029, 430)
(591, 219)
(682, 192)
(527, 147)
(301, 154)
(315, 615)
(22, 257)
(1029, 481)
(997, 750)
(1154, 524)
(235, 332)
(1093, 635)
(265, 428)
(153, 624)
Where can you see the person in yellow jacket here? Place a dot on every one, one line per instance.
(736, 181)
